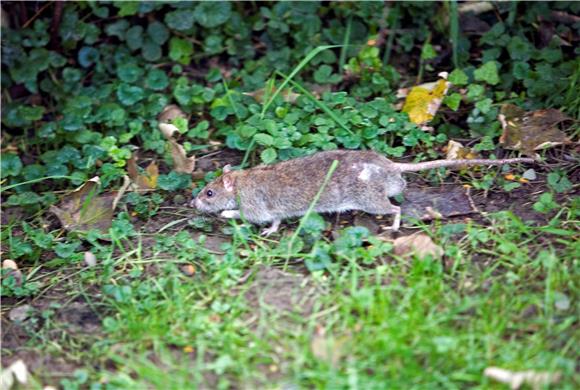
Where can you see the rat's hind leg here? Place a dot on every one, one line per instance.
(272, 229)
(386, 207)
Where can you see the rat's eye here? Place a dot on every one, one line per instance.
(209, 193)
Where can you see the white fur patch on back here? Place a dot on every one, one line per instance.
(368, 169)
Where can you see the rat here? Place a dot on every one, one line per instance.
(363, 180)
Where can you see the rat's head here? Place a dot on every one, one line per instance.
(218, 195)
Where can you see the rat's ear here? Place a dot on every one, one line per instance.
(227, 168)
(229, 182)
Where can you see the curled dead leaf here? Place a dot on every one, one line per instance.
(418, 244)
(181, 163)
(144, 180)
(515, 379)
(169, 113)
(533, 130)
(16, 370)
(90, 259)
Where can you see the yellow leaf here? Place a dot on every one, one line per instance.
(423, 101)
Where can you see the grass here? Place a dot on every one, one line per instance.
(497, 300)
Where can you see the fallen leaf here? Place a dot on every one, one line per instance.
(84, 209)
(90, 259)
(456, 151)
(12, 269)
(531, 131)
(181, 163)
(16, 370)
(418, 244)
(515, 379)
(423, 101)
(143, 181)
(169, 113)
(20, 313)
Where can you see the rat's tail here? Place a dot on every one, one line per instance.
(458, 163)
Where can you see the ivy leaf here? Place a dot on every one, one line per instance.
(11, 165)
(128, 95)
(452, 101)
(180, 50)
(213, 13)
(488, 73)
(458, 77)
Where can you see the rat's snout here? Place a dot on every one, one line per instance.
(195, 203)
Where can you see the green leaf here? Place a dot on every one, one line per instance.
(129, 73)
(545, 203)
(211, 14)
(488, 73)
(559, 182)
(428, 52)
(158, 32)
(180, 20)
(264, 139)
(452, 101)
(269, 155)
(156, 80)
(458, 77)
(484, 105)
(151, 51)
(128, 95)
(11, 165)
(520, 49)
(127, 8)
(174, 181)
(88, 56)
(117, 28)
(134, 37)
(180, 50)
(247, 131)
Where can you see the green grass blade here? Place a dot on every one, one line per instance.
(454, 31)
(6, 188)
(317, 102)
(296, 70)
(345, 44)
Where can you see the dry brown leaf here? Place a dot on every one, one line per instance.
(181, 163)
(456, 151)
(169, 113)
(531, 131)
(515, 379)
(418, 244)
(146, 181)
(84, 209)
(287, 94)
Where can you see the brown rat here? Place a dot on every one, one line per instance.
(363, 180)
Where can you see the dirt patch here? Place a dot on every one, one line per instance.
(282, 292)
